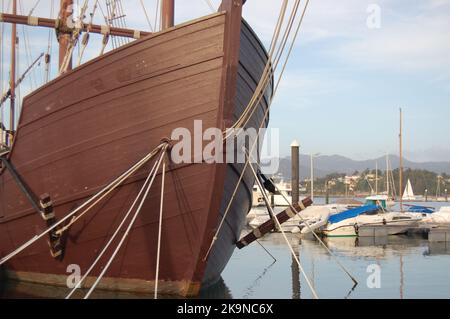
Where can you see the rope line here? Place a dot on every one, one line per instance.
(122, 240)
(158, 254)
(85, 40)
(312, 231)
(266, 113)
(210, 5)
(146, 16)
(109, 187)
(246, 116)
(277, 223)
(115, 233)
(267, 72)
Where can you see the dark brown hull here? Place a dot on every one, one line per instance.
(82, 130)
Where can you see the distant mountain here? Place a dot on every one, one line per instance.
(327, 164)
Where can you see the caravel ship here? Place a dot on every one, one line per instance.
(78, 132)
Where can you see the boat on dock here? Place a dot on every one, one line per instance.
(91, 123)
(349, 222)
(440, 217)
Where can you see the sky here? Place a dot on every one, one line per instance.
(354, 64)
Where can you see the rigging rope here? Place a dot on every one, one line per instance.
(210, 5)
(85, 40)
(122, 240)
(277, 223)
(48, 64)
(100, 194)
(146, 16)
(121, 21)
(74, 39)
(267, 72)
(333, 256)
(259, 93)
(34, 7)
(156, 16)
(78, 285)
(106, 36)
(158, 253)
(266, 113)
(3, 87)
(28, 54)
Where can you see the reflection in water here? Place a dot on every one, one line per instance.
(12, 289)
(217, 291)
(438, 248)
(296, 291)
(251, 289)
(411, 267)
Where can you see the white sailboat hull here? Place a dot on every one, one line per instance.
(395, 223)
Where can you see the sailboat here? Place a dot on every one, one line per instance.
(91, 123)
(408, 194)
(375, 212)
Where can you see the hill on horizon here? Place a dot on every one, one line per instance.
(327, 164)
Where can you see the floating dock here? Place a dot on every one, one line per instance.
(439, 234)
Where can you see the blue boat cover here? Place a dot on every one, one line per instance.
(420, 209)
(352, 213)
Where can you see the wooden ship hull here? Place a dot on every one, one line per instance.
(83, 129)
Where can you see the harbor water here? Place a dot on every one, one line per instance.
(386, 267)
(408, 267)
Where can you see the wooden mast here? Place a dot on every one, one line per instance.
(400, 174)
(167, 14)
(12, 83)
(65, 13)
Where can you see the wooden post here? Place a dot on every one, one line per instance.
(65, 13)
(12, 83)
(167, 14)
(426, 195)
(295, 178)
(327, 194)
(295, 271)
(400, 182)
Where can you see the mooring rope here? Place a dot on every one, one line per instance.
(263, 191)
(78, 285)
(130, 225)
(333, 256)
(111, 186)
(161, 206)
(76, 218)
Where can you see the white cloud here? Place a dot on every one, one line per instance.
(417, 43)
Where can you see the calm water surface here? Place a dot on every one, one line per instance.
(410, 267)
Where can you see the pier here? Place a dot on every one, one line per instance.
(439, 234)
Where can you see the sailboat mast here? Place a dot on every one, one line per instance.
(401, 162)
(376, 178)
(65, 13)
(167, 14)
(12, 83)
(387, 174)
